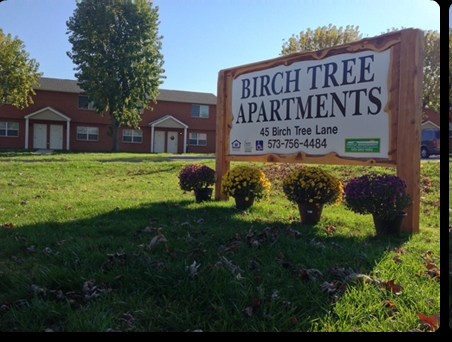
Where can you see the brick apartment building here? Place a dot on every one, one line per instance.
(61, 118)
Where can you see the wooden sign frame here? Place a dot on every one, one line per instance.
(404, 107)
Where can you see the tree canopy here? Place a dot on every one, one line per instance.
(321, 38)
(18, 72)
(116, 48)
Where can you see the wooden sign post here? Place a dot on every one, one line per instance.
(353, 104)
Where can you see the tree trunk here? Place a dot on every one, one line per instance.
(115, 132)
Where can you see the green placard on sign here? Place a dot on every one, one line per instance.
(371, 145)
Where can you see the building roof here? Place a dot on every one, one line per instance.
(432, 116)
(71, 86)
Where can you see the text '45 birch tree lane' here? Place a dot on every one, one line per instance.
(116, 48)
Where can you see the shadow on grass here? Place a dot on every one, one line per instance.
(204, 273)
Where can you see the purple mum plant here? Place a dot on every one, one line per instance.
(196, 176)
(381, 195)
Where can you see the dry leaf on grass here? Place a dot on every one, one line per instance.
(397, 260)
(432, 321)
(192, 269)
(330, 229)
(311, 274)
(157, 239)
(93, 291)
(391, 286)
(40, 291)
(234, 268)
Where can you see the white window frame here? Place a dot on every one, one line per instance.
(197, 137)
(87, 133)
(90, 103)
(200, 111)
(9, 127)
(135, 134)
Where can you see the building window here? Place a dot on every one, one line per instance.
(88, 133)
(132, 135)
(198, 111)
(9, 129)
(198, 139)
(84, 102)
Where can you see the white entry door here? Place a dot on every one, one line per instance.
(56, 137)
(40, 136)
(159, 141)
(171, 142)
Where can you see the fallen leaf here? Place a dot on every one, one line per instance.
(234, 268)
(248, 310)
(40, 291)
(47, 251)
(388, 303)
(156, 240)
(192, 269)
(399, 250)
(333, 286)
(432, 321)
(330, 229)
(397, 260)
(87, 286)
(316, 242)
(256, 303)
(257, 278)
(255, 244)
(293, 320)
(431, 265)
(391, 286)
(233, 246)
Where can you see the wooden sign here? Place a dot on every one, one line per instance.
(353, 104)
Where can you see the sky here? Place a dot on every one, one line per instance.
(202, 37)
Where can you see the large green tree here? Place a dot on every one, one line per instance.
(320, 38)
(116, 50)
(18, 73)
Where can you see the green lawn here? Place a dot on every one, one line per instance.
(108, 242)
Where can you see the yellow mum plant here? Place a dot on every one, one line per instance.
(312, 185)
(245, 180)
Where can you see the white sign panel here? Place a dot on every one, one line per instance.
(319, 106)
